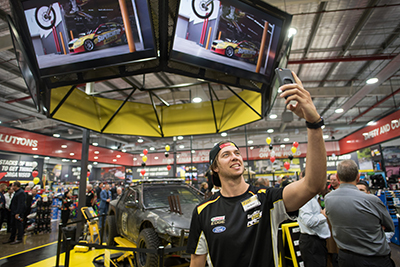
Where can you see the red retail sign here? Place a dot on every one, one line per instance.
(385, 129)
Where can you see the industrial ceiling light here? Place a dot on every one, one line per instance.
(181, 146)
(339, 110)
(197, 99)
(123, 150)
(325, 136)
(224, 134)
(371, 123)
(95, 144)
(180, 137)
(250, 142)
(56, 135)
(292, 32)
(140, 140)
(270, 130)
(372, 80)
(286, 139)
(273, 116)
(152, 148)
(114, 147)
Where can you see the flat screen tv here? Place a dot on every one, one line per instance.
(77, 35)
(26, 66)
(234, 37)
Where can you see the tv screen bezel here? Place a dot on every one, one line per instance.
(82, 66)
(229, 69)
(18, 42)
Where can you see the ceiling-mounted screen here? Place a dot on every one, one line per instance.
(230, 36)
(24, 64)
(75, 35)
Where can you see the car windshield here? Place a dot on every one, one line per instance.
(157, 196)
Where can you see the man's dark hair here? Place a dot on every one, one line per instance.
(347, 171)
(364, 183)
(17, 184)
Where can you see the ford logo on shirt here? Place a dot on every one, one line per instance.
(219, 229)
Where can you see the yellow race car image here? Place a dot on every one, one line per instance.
(244, 49)
(109, 33)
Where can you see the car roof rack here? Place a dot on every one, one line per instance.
(160, 181)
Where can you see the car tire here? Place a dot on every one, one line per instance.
(110, 231)
(148, 238)
(229, 51)
(88, 45)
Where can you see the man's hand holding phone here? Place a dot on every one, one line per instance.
(292, 89)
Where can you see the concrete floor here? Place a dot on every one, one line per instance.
(41, 249)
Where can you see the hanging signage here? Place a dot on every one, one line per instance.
(19, 167)
(385, 129)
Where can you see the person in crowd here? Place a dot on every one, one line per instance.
(363, 187)
(98, 189)
(119, 192)
(238, 225)
(105, 198)
(2, 204)
(335, 183)
(262, 182)
(359, 221)
(17, 208)
(90, 196)
(314, 230)
(204, 187)
(278, 182)
(8, 196)
(66, 207)
(28, 204)
(113, 190)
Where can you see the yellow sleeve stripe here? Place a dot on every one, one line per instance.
(262, 191)
(202, 206)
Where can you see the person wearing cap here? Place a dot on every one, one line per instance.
(238, 226)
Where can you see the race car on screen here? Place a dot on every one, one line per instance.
(105, 34)
(244, 49)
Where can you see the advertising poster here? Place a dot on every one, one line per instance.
(112, 174)
(17, 167)
(71, 31)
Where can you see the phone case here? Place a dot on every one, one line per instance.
(284, 76)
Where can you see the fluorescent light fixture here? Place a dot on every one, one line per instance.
(114, 160)
(64, 146)
(273, 116)
(140, 140)
(118, 156)
(181, 146)
(114, 147)
(197, 99)
(193, 151)
(95, 157)
(286, 139)
(252, 147)
(155, 157)
(71, 154)
(35, 156)
(152, 148)
(250, 142)
(224, 134)
(339, 110)
(95, 163)
(56, 135)
(47, 158)
(96, 152)
(141, 154)
(180, 137)
(372, 80)
(34, 148)
(270, 130)
(283, 145)
(65, 160)
(74, 160)
(134, 159)
(123, 150)
(371, 123)
(95, 144)
(325, 136)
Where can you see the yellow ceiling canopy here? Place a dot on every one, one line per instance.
(110, 116)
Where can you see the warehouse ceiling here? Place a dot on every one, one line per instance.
(339, 45)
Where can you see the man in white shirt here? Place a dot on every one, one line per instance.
(314, 230)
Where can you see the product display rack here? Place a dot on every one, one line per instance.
(391, 199)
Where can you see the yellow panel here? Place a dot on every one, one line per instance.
(237, 113)
(135, 119)
(79, 108)
(57, 95)
(187, 119)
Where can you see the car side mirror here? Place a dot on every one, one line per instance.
(131, 204)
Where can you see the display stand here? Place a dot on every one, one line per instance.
(43, 216)
(391, 199)
(292, 254)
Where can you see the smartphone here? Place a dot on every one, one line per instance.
(284, 77)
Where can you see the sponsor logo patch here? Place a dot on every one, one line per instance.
(219, 229)
(218, 220)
